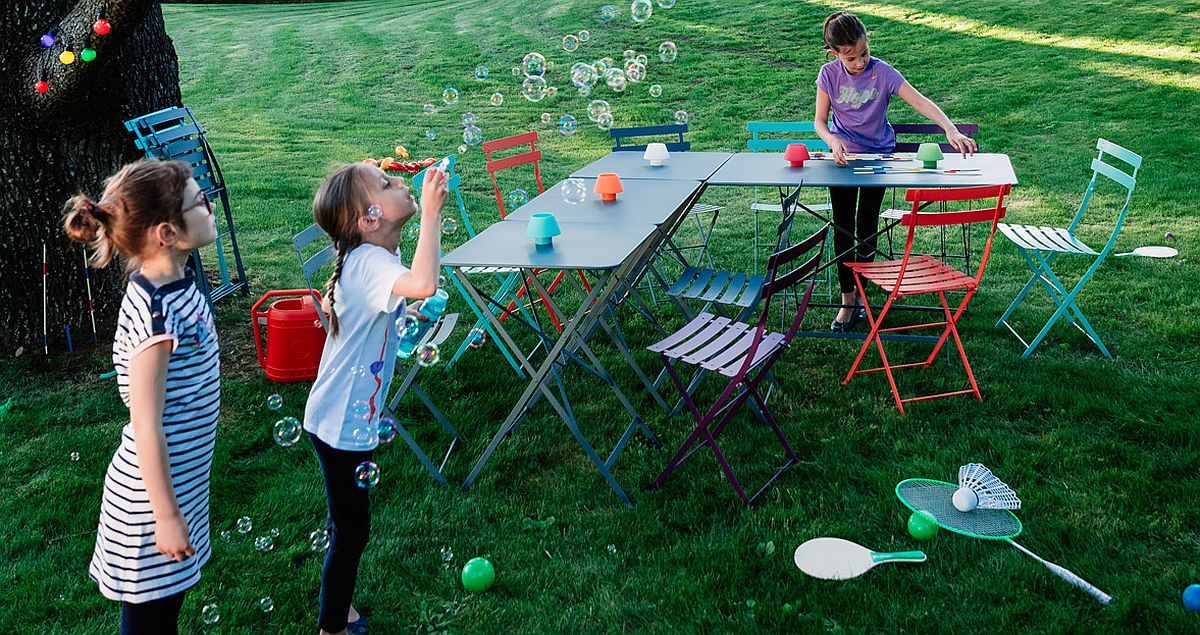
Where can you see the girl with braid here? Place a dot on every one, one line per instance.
(364, 211)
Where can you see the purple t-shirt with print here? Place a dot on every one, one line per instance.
(859, 104)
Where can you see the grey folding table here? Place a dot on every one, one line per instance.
(682, 166)
(612, 252)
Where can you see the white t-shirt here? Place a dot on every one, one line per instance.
(348, 397)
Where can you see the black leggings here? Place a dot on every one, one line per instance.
(156, 617)
(860, 218)
(350, 528)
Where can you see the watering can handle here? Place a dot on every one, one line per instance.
(255, 314)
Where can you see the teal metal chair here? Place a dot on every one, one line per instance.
(174, 134)
(508, 280)
(1039, 246)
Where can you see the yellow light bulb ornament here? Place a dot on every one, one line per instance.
(66, 57)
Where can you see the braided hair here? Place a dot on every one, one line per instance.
(338, 204)
(842, 29)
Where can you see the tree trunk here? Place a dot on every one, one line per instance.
(65, 141)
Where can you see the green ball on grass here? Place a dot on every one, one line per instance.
(922, 526)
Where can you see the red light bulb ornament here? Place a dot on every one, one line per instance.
(101, 27)
(41, 86)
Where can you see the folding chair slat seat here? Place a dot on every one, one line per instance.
(1039, 245)
(924, 274)
(303, 242)
(742, 352)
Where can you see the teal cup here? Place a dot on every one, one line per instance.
(542, 228)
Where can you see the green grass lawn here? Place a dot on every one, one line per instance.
(1104, 453)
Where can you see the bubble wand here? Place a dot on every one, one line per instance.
(45, 334)
(87, 278)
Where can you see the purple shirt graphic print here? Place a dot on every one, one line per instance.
(858, 104)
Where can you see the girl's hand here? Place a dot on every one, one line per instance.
(171, 538)
(962, 143)
(433, 192)
(838, 149)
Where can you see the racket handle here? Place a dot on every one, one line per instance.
(898, 556)
(1067, 575)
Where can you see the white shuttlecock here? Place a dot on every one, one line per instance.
(978, 488)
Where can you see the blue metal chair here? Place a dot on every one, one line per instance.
(174, 134)
(312, 261)
(508, 281)
(1039, 246)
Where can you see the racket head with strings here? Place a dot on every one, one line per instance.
(934, 498)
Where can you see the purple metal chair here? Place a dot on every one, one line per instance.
(742, 352)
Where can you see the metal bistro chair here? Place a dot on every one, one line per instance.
(312, 237)
(174, 134)
(1039, 246)
(744, 353)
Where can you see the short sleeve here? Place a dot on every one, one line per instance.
(893, 80)
(377, 271)
(823, 82)
(149, 326)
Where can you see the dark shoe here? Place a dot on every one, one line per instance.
(844, 327)
(359, 626)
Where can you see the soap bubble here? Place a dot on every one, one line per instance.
(570, 43)
(656, 90)
(681, 116)
(642, 59)
(517, 198)
(374, 211)
(429, 109)
(428, 354)
(612, 550)
(497, 99)
(629, 55)
(481, 73)
(225, 535)
(574, 191)
(318, 540)
(602, 65)
(533, 88)
(615, 78)
(266, 605)
(431, 134)
(476, 338)
(597, 106)
(533, 64)
(585, 35)
(74, 456)
(264, 543)
(412, 229)
(667, 52)
(360, 410)
(583, 74)
(604, 121)
(405, 324)
(462, 149)
(585, 91)
(366, 475)
(666, 4)
(472, 135)
(210, 614)
(607, 13)
(359, 372)
(450, 96)
(516, 71)
(449, 226)
(287, 431)
(546, 118)
(552, 91)
(387, 430)
(274, 532)
(549, 65)
(244, 525)
(468, 119)
(275, 402)
(567, 125)
(447, 556)
(635, 72)
(641, 10)
(365, 436)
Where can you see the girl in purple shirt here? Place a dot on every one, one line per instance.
(856, 88)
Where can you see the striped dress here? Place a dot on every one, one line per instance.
(126, 563)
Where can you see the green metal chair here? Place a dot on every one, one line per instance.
(1039, 246)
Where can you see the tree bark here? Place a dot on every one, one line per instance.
(65, 141)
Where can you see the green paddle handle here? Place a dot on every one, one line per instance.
(898, 556)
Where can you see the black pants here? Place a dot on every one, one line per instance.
(156, 617)
(855, 210)
(350, 528)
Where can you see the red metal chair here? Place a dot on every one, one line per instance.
(922, 274)
(742, 352)
(532, 156)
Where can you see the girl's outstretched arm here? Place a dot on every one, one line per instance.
(147, 393)
(923, 105)
(422, 279)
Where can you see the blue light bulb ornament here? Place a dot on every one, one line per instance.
(48, 39)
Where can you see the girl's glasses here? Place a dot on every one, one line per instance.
(201, 200)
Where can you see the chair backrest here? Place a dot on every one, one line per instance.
(1122, 176)
(453, 185)
(969, 129)
(916, 218)
(309, 265)
(624, 134)
(807, 135)
(533, 155)
(174, 134)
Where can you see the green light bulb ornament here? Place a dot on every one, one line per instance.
(87, 54)
(929, 154)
